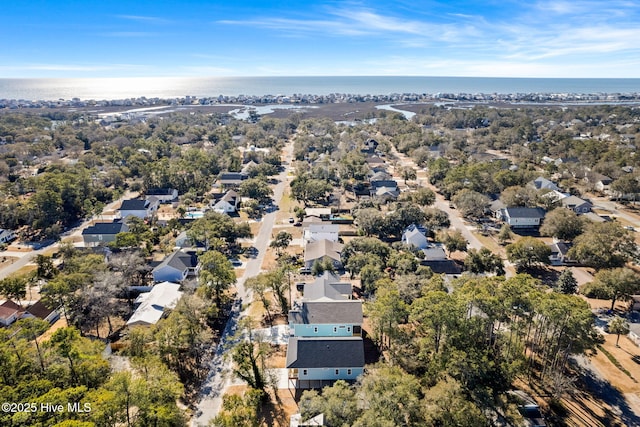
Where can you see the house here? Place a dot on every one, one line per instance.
(9, 312)
(559, 252)
(102, 233)
(542, 183)
(317, 361)
(246, 169)
(386, 194)
(320, 231)
(387, 183)
(327, 286)
(41, 311)
(232, 179)
(442, 266)
(416, 236)
(139, 208)
(634, 333)
(7, 235)
(323, 250)
(326, 318)
(594, 217)
(369, 147)
(227, 203)
(519, 217)
(164, 195)
(380, 176)
(296, 421)
(576, 204)
(603, 183)
(152, 305)
(176, 267)
(434, 253)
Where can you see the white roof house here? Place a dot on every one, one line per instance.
(416, 236)
(153, 304)
(320, 231)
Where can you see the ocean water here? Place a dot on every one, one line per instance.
(121, 88)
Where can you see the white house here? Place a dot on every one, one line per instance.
(164, 195)
(176, 267)
(320, 231)
(228, 203)
(416, 236)
(153, 304)
(518, 217)
(9, 312)
(139, 208)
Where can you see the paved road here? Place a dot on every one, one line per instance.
(27, 257)
(220, 374)
(442, 204)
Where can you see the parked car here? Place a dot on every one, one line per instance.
(291, 220)
(304, 270)
(236, 262)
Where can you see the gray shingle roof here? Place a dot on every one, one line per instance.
(346, 352)
(114, 227)
(328, 312)
(519, 212)
(179, 260)
(134, 205)
(322, 248)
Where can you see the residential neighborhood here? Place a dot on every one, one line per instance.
(305, 258)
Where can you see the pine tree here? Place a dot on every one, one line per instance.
(566, 283)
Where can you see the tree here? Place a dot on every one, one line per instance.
(436, 218)
(338, 403)
(249, 356)
(14, 287)
(256, 188)
(528, 252)
(505, 234)
(307, 189)
(471, 204)
(216, 273)
(566, 283)
(281, 241)
(46, 269)
(454, 241)
(445, 404)
(239, 411)
(563, 224)
(519, 196)
(483, 261)
(603, 245)
(617, 284)
(618, 326)
(408, 173)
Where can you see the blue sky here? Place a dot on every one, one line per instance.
(116, 38)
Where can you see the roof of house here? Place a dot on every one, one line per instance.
(322, 248)
(388, 183)
(327, 312)
(152, 304)
(322, 290)
(574, 201)
(40, 310)
(521, 212)
(434, 253)
(114, 227)
(544, 183)
(230, 196)
(380, 176)
(560, 248)
(387, 191)
(413, 230)
(160, 191)
(232, 177)
(327, 286)
(8, 309)
(178, 260)
(342, 352)
(134, 205)
(442, 266)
